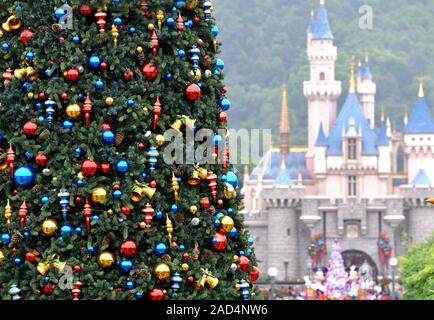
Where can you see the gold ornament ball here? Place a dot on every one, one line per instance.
(30, 96)
(139, 50)
(49, 227)
(80, 175)
(235, 258)
(54, 180)
(142, 225)
(185, 267)
(238, 287)
(193, 209)
(160, 140)
(99, 194)
(229, 191)
(162, 271)
(110, 212)
(226, 224)
(106, 259)
(151, 26)
(2, 255)
(109, 101)
(73, 111)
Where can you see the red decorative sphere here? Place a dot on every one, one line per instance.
(48, 289)
(78, 199)
(149, 71)
(14, 250)
(224, 90)
(41, 159)
(192, 92)
(195, 257)
(153, 184)
(104, 168)
(126, 211)
(89, 167)
(85, 10)
(156, 294)
(254, 274)
(244, 263)
(128, 248)
(77, 268)
(116, 187)
(190, 279)
(223, 117)
(30, 128)
(63, 96)
(196, 19)
(31, 257)
(204, 203)
(219, 202)
(106, 126)
(72, 74)
(140, 146)
(42, 95)
(103, 65)
(15, 192)
(220, 241)
(185, 256)
(128, 75)
(26, 35)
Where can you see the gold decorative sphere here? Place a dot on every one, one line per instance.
(106, 259)
(30, 96)
(229, 192)
(142, 225)
(48, 227)
(110, 212)
(109, 101)
(160, 140)
(73, 111)
(226, 224)
(80, 175)
(99, 194)
(139, 50)
(185, 267)
(235, 258)
(151, 26)
(162, 271)
(193, 209)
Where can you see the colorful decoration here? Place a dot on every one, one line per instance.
(22, 213)
(156, 110)
(87, 212)
(176, 281)
(169, 229)
(162, 271)
(175, 187)
(384, 249)
(128, 248)
(49, 227)
(64, 202)
(148, 211)
(106, 259)
(87, 109)
(8, 213)
(317, 250)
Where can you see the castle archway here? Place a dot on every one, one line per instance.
(361, 260)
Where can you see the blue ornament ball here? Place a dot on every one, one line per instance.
(181, 248)
(30, 55)
(17, 261)
(130, 103)
(174, 208)
(76, 39)
(232, 179)
(78, 230)
(181, 53)
(28, 155)
(80, 183)
(46, 279)
(159, 214)
(230, 211)
(59, 13)
(6, 46)
(138, 295)
(41, 118)
(132, 30)
(233, 232)
(117, 21)
(220, 64)
(67, 124)
(170, 22)
(215, 31)
(99, 84)
(26, 235)
(122, 166)
(216, 223)
(37, 106)
(224, 104)
(224, 178)
(117, 194)
(129, 285)
(66, 230)
(126, 265)
(108, 136)
(90, 249)
(160, 248)
(6, 239)
(94, 62)
(217, 139)
(94, 218)
(24, 176)
(169, 76)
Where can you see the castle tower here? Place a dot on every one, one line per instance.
(366, 89)
(310, 28)
(284, 125)
(322, 89)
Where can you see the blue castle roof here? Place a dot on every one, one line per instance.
(367, 75)
(421, 178)
(352, 109)
(311, 24)
(420, 120)
(321, 28)
(283, 178)
(382, 139)
(321, 139)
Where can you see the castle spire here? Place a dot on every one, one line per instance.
(382, 113)
(284, 124)
(421, 89)
(352, 76)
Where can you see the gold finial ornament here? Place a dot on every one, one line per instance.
(383, 117)
(321, 1)
(175, 187)
(115, 34)
(352, 76)
(421, 88)
(169, 229)
(8, 212)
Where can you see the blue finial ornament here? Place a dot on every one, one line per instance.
(64, 202)
(153, 155)
(49, 108)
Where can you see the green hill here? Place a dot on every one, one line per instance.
(264, 43)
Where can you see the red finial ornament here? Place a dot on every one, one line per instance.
(144, 6)
(180, 22)
(76, 291)
(7, 75)
(22, 213)
(212, 184)
(100, 16)
(149, 213)
(156, 110)
(87, 109)
(154, 42)
(226, 159)
(11, 159)
(87, 212)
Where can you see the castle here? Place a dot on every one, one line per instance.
(345, 182)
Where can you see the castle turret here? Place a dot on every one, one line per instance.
(366, 89)
(322, 89)
(284, 125)
(310, 28)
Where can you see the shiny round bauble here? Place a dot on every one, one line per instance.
(110, 212)
(142, 225)
(160, 140)
(85, 10)
(195, 222)
(109, 101)
(105, 168)
(94, 61)
(2, 255)
(162, 271)
(139, 50)
(196, 74)
(31, 257)
(229, 192)
(219, 241)
(232, 179)
(48, 227)
(122, 166)
(126, 265)
(223, 117)
(128, 75)
(156, 294)
(226, 224)
(117, 194)
(192, 92)
(106, 259)
(254, 274)
(30, 128)
(185, 267)
(149, 71)
(5, 238)
(66, 230)
(160, 248)
(89, 167)
(73, 111)
(26, 35)
(24, 176)
(224, 104)
(204, 203)
(193, 209)
(125, 210)
(99, 84)
(128, 248)
(234, 267)
(185, 256)
(244, 263)
(108, 136)
(129, 285)
(72, 74)
(99, 194)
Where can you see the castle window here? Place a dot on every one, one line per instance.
(322, 76)
(352, 149)
(288, 232)
(352, 186)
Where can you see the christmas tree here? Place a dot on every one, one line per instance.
(90, 207)
(337, 277)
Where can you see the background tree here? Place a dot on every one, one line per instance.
(90, 209)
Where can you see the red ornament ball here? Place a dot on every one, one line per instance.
(140, 146)
(85, 10)
(156, 294)
(185, 256)
(15, 192)
(153, 184)
(126, 211)
(128, 75)
(223, 117)
(31, 257)
(77, 268)
(196, 19)
(254, 274)
(89, 167)
(192, 92)
(48, 289)
(204, 203)
(128, 248)
(244, 263)
(42, 95)
(41, 159)
(78, 199)
(103, 65)
(72, 74)
(104, 168)
(30, 128)
(190, 279)
(26, 35)
(149, 71)
(63, 96)
(224, 90)
(220, 241)
(14, 250)
(106, 126)
(116, 187)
